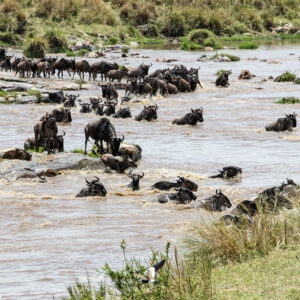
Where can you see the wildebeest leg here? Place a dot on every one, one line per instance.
(108, 147)
(200, 84)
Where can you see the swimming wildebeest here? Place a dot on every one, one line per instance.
(109, 92)
(181, 84)
(196, 115)
(61, 115)
(85, 108)
(103, 130)
(110, 108)
(228, 172)
(217, 202)
(69, 100)
(182, 196)
(47, 130)
(135, 183)
(123, 113)
(95, 188)
(180, 182)
(223, 79)
(246, 207)
(283, 124)
(117, 163)
(149, 113)
(140, 72)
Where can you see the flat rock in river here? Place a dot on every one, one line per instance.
(40, 163)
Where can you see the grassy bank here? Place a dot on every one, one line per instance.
(257, 261)
(54, 22)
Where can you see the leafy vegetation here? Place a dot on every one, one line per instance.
(81, 151)
(40, 150)
(35, 47)
(288, 100)
(35, 93)
(219, 72)
(286, 77)
(81, 52)
(248, 45)
(23, 19)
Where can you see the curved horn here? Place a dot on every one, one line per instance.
(122, 138)
(156, 106)
(141, 176)
(88, 183)
(129, 174)
(97, 178)
(64, 133)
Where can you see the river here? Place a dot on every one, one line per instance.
(49, 237)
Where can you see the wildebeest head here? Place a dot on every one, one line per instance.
(59, 142)
(198, 113)
(293, 118)
(85, 107)
(222, 200)
(70, 100)
(151, 112)
(115, 144)
(97, 188)
(94, 102)
(135, 184)
(186, 183)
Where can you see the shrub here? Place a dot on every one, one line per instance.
(9, 38)
(219, 72)
(232, 57)
(240, 27)
(35, 48)
(125, 49)
(286, 77)
(215, 25)
(174, 25)
(56, 42)
(248, 45)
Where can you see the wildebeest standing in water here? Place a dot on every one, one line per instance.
(109, 92)
(223, 79)
(196, 115)
(47, 130)
(103, 130)
(149, 113)
(283, 124)
(135, 183)
(95, 188)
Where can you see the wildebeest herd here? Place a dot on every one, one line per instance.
(119, 156)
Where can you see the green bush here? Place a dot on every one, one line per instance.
(203, 38)
(286, 77)
(174, 25)
(56, 42)
(232, 57)
(219, 72)
(35, 48)
(215, 25)
(113, 41)
(248, 45)
(288, 100)
(125, 49)
(10, 38)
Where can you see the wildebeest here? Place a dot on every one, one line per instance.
(22, 67)
(140, 72)
(181, 84)
(70, 100)
(180, 182)
(47, 130)
(283, 124)
(138, 88)
(62, 65)
(109, 92)
(123, 113)
(57, 143)
(135, 183)
(116, 74)
(61, 115)
(172, 89)
(95, 188)
(134, 152)
(149, 113)
(246, 207)
(182, 196)
(228, 172)
(223, 79)
(217, 202)
(85, 108)
(117, 163)
(15, 153)
(110, 108)
(196, 115)
(246, 74)
(103, 130)
(103, 68)
(161, 85)
(82, 67)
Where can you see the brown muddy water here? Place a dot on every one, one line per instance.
(49, 237)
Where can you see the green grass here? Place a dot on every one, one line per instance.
(35, 93)
(40, 150)
(286, 77)
(288, 100)
(232, 57)
(248, 45)
(219, 72)
(81, 151)
(6, 95)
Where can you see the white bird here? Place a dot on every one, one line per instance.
(150, 273)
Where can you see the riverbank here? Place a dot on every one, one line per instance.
(64, 27)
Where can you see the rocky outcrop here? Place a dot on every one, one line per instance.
(47, 165)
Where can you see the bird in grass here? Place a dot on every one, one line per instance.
(150, 273)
